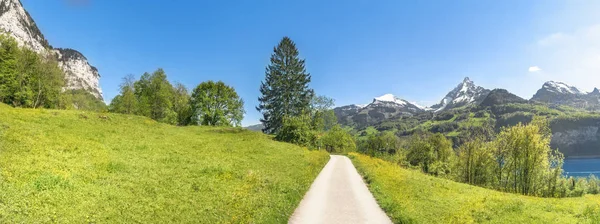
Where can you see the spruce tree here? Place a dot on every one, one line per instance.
(285, 91)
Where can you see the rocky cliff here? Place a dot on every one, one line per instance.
(79, 74)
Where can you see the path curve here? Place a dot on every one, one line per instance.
(339, 195)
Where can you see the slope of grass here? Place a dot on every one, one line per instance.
(410, 196)
(77, 167)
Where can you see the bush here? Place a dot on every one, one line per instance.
(444, 127)
(296, 130)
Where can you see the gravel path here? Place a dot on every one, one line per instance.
(339, 195)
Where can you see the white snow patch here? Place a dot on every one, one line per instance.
(390, 98)
(560, 87)
(445, 102)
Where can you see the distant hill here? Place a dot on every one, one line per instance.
(256, 127)
(501, 96)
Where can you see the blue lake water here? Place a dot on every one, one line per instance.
(582, 167)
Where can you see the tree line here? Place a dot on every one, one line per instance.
(517, 160)
(210, 103)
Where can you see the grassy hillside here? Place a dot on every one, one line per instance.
(412, 197)
(75, 167)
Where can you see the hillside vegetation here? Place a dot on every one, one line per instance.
(75, 167)
(410, 196)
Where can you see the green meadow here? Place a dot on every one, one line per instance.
(409, 196)
(59, 166)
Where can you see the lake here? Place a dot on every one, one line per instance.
(582, 167)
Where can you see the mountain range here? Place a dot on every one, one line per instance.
(16, 22)
(464, 94)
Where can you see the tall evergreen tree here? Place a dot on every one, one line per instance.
(285, 91)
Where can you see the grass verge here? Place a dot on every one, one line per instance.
(410, 196)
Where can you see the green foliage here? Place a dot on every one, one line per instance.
(182, 105)
(65, 166)
(338, 140)
(522, 155)
(323, 117)
(475, 162)
(153, 96)
(431, 153)
(409, 196)
(79, 99)
(296, 130)
(126, 102)
(285, 91)
(216, 104)
(26, 78)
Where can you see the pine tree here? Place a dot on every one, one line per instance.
(285, 91)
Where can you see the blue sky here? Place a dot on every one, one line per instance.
(355, 50)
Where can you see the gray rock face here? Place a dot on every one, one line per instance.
(581, 141)
(576, 137)
(79, 74)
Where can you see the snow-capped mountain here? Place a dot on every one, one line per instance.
(17, 22)
(561, 88)
(558, 93)
(381, 108)
(465, 93)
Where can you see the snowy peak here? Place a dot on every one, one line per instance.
(389, 98)
(561, 88)
(464, 93)
(558, 93)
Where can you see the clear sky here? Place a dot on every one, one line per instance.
(355, 50)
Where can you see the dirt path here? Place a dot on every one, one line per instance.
(339, 195)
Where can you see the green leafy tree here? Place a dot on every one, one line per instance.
(433, 153)
(154, 97)
(338, 140)
(126, 102)
(285, 91)
(181, 104)
(26, 78)
(527, 160)
(9, 82)
(216, 104)
(323, 117)
(296, 130)
(475, 163)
